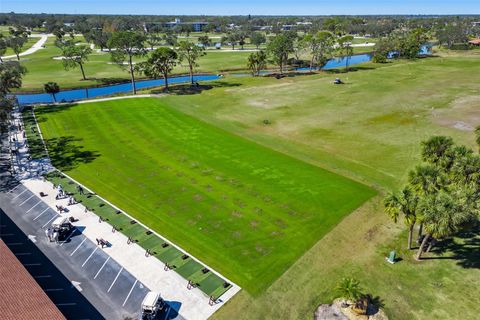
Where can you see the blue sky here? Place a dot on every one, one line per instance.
(243, 7)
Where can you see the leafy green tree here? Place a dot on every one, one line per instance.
(383, 47)
(345, 48)
(3, 46)
(75, 56)
(160, 63)
(405, 203)
(279, 48)
(17, 43)
(452, 34)
(52, 88)
(190, 53)
(127, 45)
(232, 39)
(59, 33)
(99, 38)
(170, 39)
(11, 73)
(257, 61)
(257, 39)
(205, 41)
(349, 289)
(320, 45)
(153, 39)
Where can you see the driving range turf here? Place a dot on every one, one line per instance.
(245, 210)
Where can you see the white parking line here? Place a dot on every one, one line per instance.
(66, 304)
(42, 277)
(91, 254)
(26, 200)
(33, 207)
(14, 244)
(23, 254)
(49, 221)
(129, 293)
(18, 195)
(32, 264)
(71, 254)
(103, 265)
(40, 214)
(114, 280)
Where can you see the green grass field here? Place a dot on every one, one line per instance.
(369, 130)
(243, 209)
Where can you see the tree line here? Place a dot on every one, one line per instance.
(442, 195)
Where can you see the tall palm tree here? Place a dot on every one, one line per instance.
(424, 180)
(442, 217)
(404, 203)
(52, 88)
(435, 148)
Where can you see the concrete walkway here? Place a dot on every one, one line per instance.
(194, 304)
(37, 46)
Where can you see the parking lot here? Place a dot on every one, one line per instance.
(78, 275)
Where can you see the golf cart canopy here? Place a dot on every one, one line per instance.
(60, 221)
(150, 301)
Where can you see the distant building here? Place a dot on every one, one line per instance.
(476, 24)
(197, 26)
(287, 27)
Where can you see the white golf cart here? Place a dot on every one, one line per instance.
(152, 305)
(60, 229)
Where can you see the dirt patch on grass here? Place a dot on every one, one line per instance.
(463, 114)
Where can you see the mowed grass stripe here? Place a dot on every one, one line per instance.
(245, 210)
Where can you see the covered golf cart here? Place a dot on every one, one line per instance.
(152, 305)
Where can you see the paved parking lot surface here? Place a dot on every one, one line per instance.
(78, 275)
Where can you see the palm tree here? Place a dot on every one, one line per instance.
(442, 217)
(52, 88)
(349, 289)
(435, 148)
(403, 203)
(256, 62)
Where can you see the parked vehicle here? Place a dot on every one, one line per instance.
(152, 305)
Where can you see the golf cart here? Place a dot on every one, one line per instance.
(60, 229)
(152, 305)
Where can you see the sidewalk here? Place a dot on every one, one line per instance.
(148, 270)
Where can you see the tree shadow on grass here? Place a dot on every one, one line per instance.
(66, 153)
(43, 110)
(188, 89)
(464, 248)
